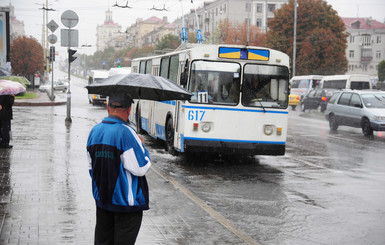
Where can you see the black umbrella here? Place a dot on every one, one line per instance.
(140, 86)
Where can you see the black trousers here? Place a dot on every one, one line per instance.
(117, 228)
(5, 128)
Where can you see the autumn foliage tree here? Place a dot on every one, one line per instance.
(321, 41)
(237, 34)
(27, 57)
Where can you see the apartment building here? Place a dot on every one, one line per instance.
(258, 12)
(366, 45)
(137, 31)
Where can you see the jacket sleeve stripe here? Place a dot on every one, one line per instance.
(130, 162)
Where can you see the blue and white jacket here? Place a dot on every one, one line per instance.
(118, 162)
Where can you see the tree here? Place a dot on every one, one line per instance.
(27, 57)
(168, 41)
(321, 37)
(381, 71)
(230, 34)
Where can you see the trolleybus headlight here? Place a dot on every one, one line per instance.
(268, 129)
(206, 127)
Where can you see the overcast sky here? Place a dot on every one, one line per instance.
(92, 13)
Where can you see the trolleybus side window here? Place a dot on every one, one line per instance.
(174, 65)
(215, 82)
(142, 67)
(164, 64)
(148, 66)
(265, 86)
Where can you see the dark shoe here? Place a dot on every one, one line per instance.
(6, 146)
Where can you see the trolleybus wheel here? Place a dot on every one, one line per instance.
(170, 137)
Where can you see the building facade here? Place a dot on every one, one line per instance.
(137, 31)
(16, 26)
(106, 33)
(366, 45)
(257, 12)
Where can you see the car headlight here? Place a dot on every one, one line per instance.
(378, 118)
(268, 129)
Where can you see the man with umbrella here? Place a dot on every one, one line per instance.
(118, 162)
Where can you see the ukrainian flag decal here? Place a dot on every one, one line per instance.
(258, 54)
(244, 54)
(230, 53)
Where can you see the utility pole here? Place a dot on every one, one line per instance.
(295, 36)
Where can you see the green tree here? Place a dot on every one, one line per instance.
(321, 37)
(27, 57)
(168, 42)
(381, 71)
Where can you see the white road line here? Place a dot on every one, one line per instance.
(217, 216)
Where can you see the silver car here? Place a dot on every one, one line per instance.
(357, 108)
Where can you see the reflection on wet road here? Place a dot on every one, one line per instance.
(327, 189)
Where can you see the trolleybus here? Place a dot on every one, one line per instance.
(239, 103)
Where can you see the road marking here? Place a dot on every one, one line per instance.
(217, 216)
(339, 138)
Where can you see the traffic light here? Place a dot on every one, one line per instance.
(71, 57)
(52, 53)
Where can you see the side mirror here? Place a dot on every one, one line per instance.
(184, 74)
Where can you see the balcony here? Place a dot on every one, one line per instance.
(366, 59)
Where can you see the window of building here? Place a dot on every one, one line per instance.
(351, 53)
(351, 39)
(379, 39)
(216, 11)
(259, 8)
(271, 7)
(365, 67)
(366, 40)
(259, 23)
(224, 9)
(367, 53)
(378, 54)
(247, 7)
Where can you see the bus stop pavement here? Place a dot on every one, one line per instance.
(45, 188)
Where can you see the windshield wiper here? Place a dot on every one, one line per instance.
(253, 93)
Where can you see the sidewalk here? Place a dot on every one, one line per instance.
(45, 190)
(42, 99)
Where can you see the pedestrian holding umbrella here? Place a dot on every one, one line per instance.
(140, 86)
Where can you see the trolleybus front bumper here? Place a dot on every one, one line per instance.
(235, 147)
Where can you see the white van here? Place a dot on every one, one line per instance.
(96, 76)
(352, 81)
(301, 85)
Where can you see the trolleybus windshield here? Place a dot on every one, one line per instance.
(215, 82)
(265, 86)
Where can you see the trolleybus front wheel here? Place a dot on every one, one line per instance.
(170, 137)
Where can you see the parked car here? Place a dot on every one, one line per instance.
(59, 85)
(317, 98)
(357, 108)
(293, 100)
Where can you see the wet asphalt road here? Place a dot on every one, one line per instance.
(327, 189)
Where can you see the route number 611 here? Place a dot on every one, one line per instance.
(195, 115)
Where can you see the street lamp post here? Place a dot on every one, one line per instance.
(295, 36)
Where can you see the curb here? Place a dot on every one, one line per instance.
(37, 103)
(41, 99)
